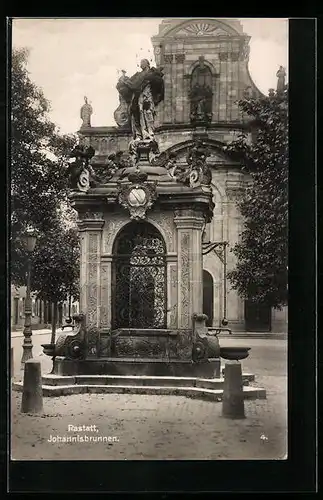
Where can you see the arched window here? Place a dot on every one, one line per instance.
(201, 93)
(201, 76)
(139, 278)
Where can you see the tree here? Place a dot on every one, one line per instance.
(56, 268)
(38, 163)
(39, 189)
(261, 272)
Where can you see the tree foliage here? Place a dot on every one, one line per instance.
(262, 253)
(58, 279)
(39, 188)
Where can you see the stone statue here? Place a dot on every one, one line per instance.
(142, 92)
(86, 112)
(121, 114)
(201, 104)
(81, 174)
(271, 93)
(281, 75)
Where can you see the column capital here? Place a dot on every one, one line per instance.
(234, 189)
(90, 225)
(189, 219)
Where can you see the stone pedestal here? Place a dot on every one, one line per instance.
(233, 401)
(32, 395)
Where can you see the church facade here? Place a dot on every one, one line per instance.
(205, 68)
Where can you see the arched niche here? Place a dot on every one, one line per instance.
(139, 278)
(113, 227)
(201, 92)
(208, 297)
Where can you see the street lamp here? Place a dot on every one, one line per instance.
(69, 321)
(29, 239)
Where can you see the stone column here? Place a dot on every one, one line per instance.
(90, 228)
(189, 223)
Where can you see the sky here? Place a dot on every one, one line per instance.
(73, 58)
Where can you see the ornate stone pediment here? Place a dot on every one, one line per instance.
(181, 150)
(201, 27)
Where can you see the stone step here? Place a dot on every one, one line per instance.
(141, 380)
(191, 392)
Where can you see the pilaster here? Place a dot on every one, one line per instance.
(189, 223)
(90, 226)
(106, 299)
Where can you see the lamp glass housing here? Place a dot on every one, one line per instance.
(30, 241)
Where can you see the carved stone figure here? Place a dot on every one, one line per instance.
(281, 75)
(201, 104)
(72, 345)
(205, 346)
(142, 92)
(121, 114)
(171, 164)
(81, 174)
(86, 112)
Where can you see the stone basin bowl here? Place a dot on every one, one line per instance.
(48, 349)
(234, 353)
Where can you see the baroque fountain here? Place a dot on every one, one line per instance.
(141, 217)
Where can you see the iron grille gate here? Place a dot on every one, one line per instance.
(139, 278)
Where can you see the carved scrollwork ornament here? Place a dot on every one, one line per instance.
(84, 181)
(196, 172)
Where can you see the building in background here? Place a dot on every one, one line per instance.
(41, 310)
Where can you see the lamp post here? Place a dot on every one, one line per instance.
(30, 241)
(69, 320)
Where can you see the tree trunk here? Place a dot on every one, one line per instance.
(54, 322)
(60, 314)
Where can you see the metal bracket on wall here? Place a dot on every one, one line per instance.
(219, 248)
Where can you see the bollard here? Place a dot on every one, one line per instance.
(233, 400)
(12, 371)
(32, 393)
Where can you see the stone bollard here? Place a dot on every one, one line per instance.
(12, 370)
(233, 400)
(32, 393)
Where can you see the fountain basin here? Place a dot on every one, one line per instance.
(234, 352)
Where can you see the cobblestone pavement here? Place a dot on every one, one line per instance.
(158, 427)
(152, 427)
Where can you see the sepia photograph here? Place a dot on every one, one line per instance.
(149, 238)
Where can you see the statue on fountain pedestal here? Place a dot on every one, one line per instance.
(142, 92)
(85, 113)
